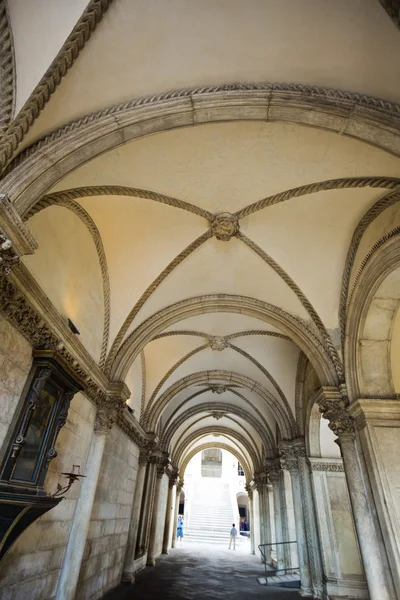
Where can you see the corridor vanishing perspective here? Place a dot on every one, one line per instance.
(199, 294)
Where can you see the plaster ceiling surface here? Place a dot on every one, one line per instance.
(144, 47)
(39, 29)
(151, 265)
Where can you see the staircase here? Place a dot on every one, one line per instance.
(211, 515)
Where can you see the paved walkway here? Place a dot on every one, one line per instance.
(201, 572)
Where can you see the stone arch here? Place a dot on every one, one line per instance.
(285, 421)
(291, 326)
(241, 458)
(367, 119)
(265, 434)
(371, 316)
(234, 436)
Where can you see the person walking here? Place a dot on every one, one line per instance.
(233, 537)
(179, 529)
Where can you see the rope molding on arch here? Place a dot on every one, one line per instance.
(7, 69)
(60, 66)
(66, 201)
(207, 407)
(210, 406)
(240, 457)
(228, 433)
(374, 108)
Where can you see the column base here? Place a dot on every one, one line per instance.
(151, 562)
(165, 552)
(305, 593)
(128, 578)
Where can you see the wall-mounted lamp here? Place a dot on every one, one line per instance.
(73, 327)
(75, 475)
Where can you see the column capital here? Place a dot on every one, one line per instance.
(249, 490)
(333, 403)
(15, 238)
(274, 469)
(107, 413)
(290, 451)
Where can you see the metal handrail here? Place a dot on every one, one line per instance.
(274, 569)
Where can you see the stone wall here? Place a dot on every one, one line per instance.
(105, 547)
(15, 364)
(31, 568)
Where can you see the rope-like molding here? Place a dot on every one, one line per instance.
(168, 374)
(66, 202)
(298, 393)
(362, 226)
(382, 109)
(148, 292)
(7, 69)
(319, 186)
(60, 66)
(275, 334)
(118, 190)
(270, 378)
(302, 298)
(144, 379)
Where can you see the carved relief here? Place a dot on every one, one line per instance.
(218, 343)
(8, 257)
(224, 226)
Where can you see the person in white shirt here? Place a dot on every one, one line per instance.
(233, 537)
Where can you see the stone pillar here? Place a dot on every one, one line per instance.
(160, 471)
(378, 427)
(252, 542)
(380, 585)
(310, 521)
(128, 575)
(147, 507)
(265, 516)
(169, 515)
(176, 514)
(291, 463)
(80, 525)
(275, 478)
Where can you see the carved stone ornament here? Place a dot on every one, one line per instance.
(224, 226)
(218, 388)
(290, 453)
(340, 422)
(274, 470)
(218, 343)
(249, 490)
(327, 467)
(218, 414)
(8, 257)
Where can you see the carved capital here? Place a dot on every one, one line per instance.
(249, 490)
(8, 257)
(224, 226)
(334, 410)
(274, 470)
(290, 452)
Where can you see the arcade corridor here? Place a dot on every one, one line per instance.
(199, 572)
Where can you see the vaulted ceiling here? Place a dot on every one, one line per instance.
(201, 263)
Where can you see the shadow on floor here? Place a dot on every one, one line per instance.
(201, 572)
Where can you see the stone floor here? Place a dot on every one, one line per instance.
(200, 572)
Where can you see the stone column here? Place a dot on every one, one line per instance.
(265, 516)
(275, 478)
(169, 515)
(147, 508)
(378, 429)
(376, 569)
(291, 463)
(176, 513)
(80, 525)
(310, 521)
(128, 575)
(251, 507)
(160, 471)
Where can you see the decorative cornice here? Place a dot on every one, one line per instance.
(330, 466)
(60, 66)
(7, 69)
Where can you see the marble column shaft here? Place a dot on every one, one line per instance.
(151, 559)
(128, 574)
(278, 519)
(252, 543)
(146, 511)
(302, 551)
(168, 517)
(71, 566)
(367, 528)
(176, 513)
(310, 521)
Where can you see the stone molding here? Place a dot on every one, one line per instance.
(7, 69)
(375, 411)
(326, 465)
(60, 66)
